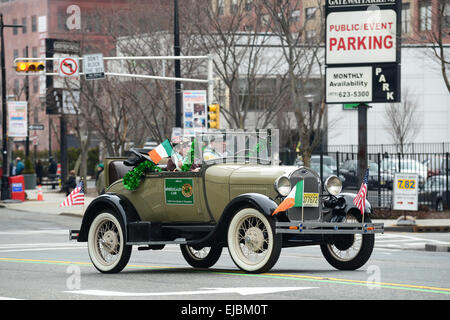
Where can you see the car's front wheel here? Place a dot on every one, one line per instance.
(106, 243)
(252, 242)
(349, 251)
(204, 257)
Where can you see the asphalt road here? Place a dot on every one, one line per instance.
(37, 261)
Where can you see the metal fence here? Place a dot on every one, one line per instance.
(432, 169)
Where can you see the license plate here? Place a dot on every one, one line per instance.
(310, 199)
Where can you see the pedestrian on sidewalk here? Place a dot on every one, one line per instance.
(70, 183)
(38, 169)
(52, 169)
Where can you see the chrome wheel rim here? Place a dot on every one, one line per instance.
(108, 242)
(351, 252)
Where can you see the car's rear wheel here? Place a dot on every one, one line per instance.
(204, 257)
(252, 242)
(106, 243)
(349, 251)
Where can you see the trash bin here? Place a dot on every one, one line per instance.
(17, 187)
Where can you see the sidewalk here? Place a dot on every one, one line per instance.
(49, 205)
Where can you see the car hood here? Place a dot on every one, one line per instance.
(246, 173)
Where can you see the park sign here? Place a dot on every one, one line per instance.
(362, 51)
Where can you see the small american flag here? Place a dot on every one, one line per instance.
(76, 197)
(360, 199)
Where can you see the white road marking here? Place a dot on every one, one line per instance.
(241, 291)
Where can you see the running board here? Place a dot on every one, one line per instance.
(314, 227)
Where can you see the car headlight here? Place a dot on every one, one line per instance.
(333, 185)
(283, 186)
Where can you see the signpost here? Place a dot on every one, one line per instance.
(362, 57)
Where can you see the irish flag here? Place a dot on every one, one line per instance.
(293, 199)
(164, 150)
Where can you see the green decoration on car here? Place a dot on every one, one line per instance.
(132, 178)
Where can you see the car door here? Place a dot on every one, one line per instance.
(183, 197)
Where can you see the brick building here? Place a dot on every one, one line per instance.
(83, 23)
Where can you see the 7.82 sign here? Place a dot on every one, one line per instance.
(362, 51)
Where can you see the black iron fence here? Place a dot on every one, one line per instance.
(432, 170)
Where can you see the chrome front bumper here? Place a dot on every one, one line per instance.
(314, 227)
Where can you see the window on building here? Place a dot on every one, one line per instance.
(406, 18)
(248, 5)
(234, 6)
(295, 15)
(257, 94)
(425, 15)
(447, 14)
(16, 53)
(16, 88)
(311, 36)
(15, 30)
(34, 52)
(35, 85)
(310, 13)
(220, 7)
(33, 23)
(24, 24)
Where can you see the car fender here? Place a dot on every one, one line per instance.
(119, 204)
(349, 205)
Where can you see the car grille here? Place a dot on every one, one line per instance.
(311, 185)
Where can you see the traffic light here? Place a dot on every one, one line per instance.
(213, 116)
(30, 66)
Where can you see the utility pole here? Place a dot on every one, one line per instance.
(27, 97)
(362, 141)
(176, 46)
(5, 186)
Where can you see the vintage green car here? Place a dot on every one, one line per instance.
(228, 201)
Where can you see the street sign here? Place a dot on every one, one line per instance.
(68, 67)
(405, 191)
(36, 126)
(17, 118)
(374, 83)
(93, 66)
(362, 51)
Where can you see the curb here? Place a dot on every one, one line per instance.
(417, 229)
(437, 247)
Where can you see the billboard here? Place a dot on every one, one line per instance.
(362, 51)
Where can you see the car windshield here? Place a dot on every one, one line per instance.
(235, 146)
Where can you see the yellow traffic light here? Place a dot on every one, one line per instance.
(30, 66)
(213, 116)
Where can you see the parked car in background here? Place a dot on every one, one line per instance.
(437, 166)
(326, 171)
(434, 193)
(327, 160)
(349, 171)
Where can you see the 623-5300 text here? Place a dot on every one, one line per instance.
(353, 94)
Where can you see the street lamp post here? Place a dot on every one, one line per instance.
(176, 46)
(5, 187)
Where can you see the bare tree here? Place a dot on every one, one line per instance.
(402, 120)
(243, 61)
(300, 44)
